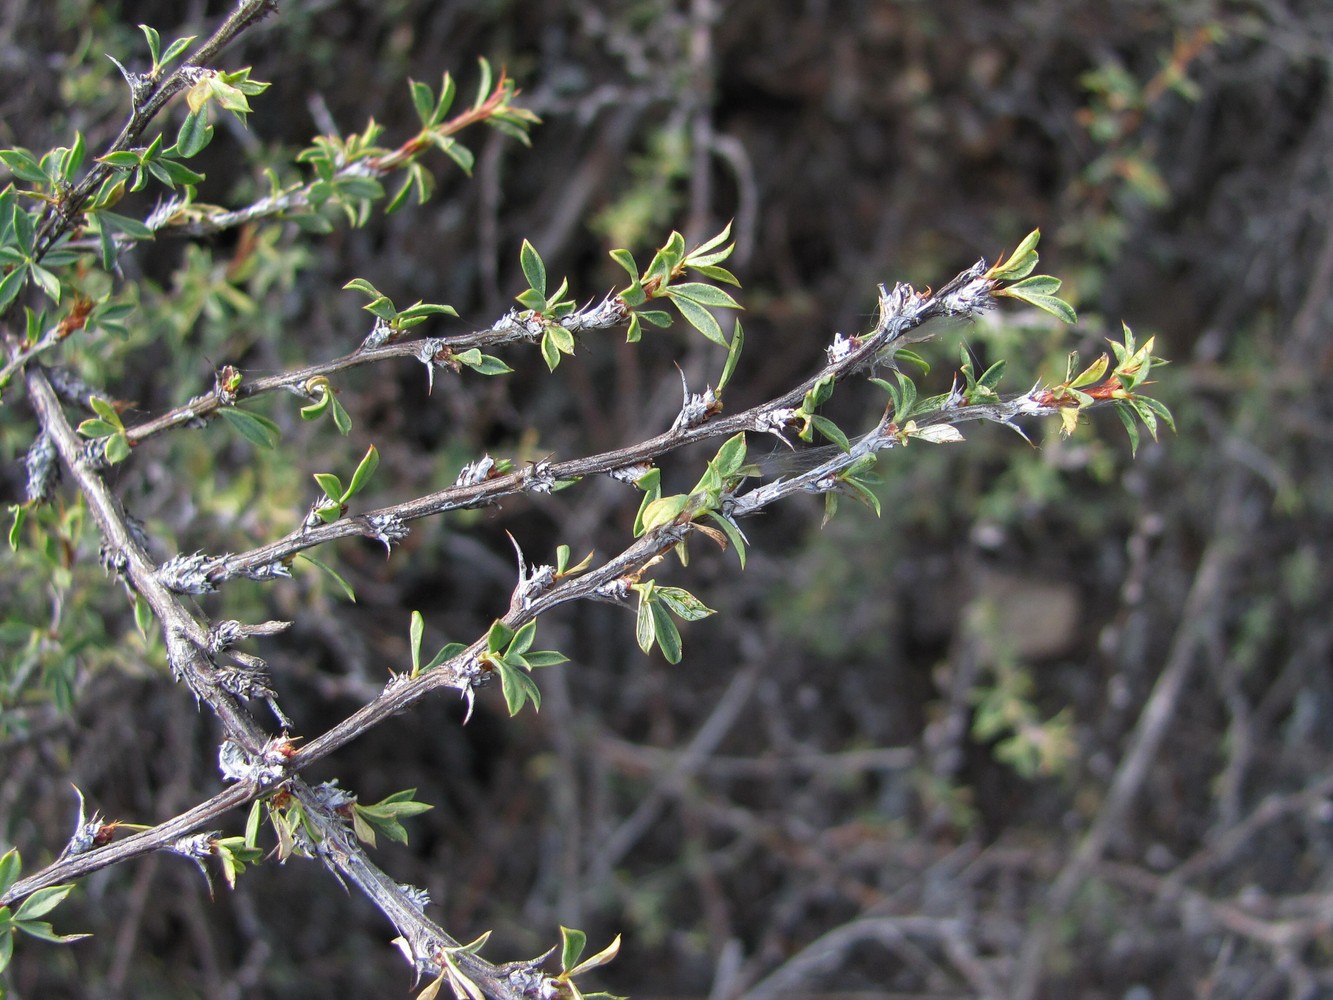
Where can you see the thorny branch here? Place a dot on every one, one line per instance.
(276, 762)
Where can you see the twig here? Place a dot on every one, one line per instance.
(1198, 618)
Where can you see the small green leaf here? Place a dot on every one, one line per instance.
(364, 470)
(665, 632)
(331, 485)
(572, 943)
(643, 625)
(24, 166)
(337, 578)
(154, 41)
(446, 652)
(522, 640)
(341, 419)
(1127, 417)
(11, 864)
(498, 637)
(733, 355)
(12, 284)
(143, 615)
(534, 270)
(601, 958)
(482, 364)
(117, 448)
(448, 89)
(550, 353)
(831, 431)
(415, 631)
(518, 688)
(705, 295)
(1039, 291)
(20, 514)
(174, 50)
(545, 658)
(698, 317)
(663, 511)
(683, 604)
(1020, 262)
(423, 100)
(259, 431)
(195, 133)
(42, 902)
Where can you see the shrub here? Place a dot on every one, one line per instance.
(81, 319)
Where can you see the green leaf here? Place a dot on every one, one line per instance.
(1039, 291)
(657, 317)
(534, 270)
(733, 534)
(731, 456)
(911, 357)
(1127, 417)
(498, 637)
(831, 431)
(20, 514)
(125, 224)
(448, 90)
(705, 295)
(11, 864)
(518, 688)
(484, 364)
(154, 41)
(45, 280)
(572, 943)
(664, 511)
(643, 624)
(545, 658)
(117, 448)
(259, 431)
(331, 485)
(716, 273)
(446, 652)
(550, 353)
(459, 153)
(195, 133)
(341, 419)
(665, 632)
(42, 902)
(683, 604)
(364, 470)
(174, 50)
(12, 284)
(23, 165)
(421, 310)
(626, 260)
(337, 578)
(415, 631)
(484, 84)
(698, 317)
(561, 337)
(601, 958)
(143, 615)
(733, 355)
(522, 640)
(423, 100)
(1020, 262)
(362, 285)
(43, 931)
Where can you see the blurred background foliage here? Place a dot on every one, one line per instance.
(914, 716)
